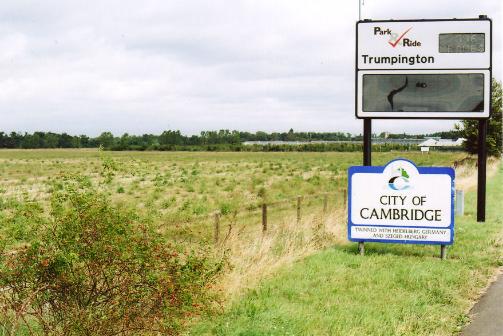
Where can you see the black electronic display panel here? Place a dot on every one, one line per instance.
(462, 92)
(461, 43)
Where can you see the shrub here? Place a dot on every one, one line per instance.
(96, 269)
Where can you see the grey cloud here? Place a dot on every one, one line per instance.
(125, 66)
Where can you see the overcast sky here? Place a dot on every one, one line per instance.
(150, 65)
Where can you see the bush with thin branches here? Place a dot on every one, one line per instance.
(96, 269)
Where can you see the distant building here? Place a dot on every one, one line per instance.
(428, 142)
(407, 141)
(442, 143)
(280, 142)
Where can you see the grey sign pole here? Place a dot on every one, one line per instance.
(367, 159)
(460, 203)
(443, 252)
(481, 170)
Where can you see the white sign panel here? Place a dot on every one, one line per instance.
(453, 44)
(401, 203)
(424, 69)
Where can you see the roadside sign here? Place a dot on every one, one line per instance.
(401, 203)
(423, 68)
(425, 149)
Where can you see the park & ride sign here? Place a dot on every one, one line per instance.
(401, 203)
(423, 69)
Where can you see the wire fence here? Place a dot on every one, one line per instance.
(216, 226)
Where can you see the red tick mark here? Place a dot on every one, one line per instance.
(398, 40)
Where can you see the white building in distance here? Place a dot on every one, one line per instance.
(442, 143)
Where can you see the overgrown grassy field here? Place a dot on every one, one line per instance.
(189, 183)
(392, 290)
(174, 187)
(177, 194)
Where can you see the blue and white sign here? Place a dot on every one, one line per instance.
(401, 203)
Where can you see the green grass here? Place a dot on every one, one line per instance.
(392, 290)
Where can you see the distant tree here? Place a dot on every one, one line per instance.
(291, 135)
(452, 134)
(194, 140)
(210, 137)
(3, 139)
(106, 139)
(84, 141)
(14, 140)
(171, 138)
(65, 141)
(30, 141)
(234, 138)
(75, 142)
(262, 136)
(469, 128)
(125, 141)
(148, 140)
(51, 140)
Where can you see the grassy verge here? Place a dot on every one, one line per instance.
(393, 290)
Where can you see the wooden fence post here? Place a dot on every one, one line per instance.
(299, 200)
(325, 203)
(264, 217)
(217, 227)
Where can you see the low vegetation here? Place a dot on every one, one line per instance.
(127, 238)
(90, 268)
(182, 185)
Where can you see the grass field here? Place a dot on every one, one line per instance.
(173, 188)
(178, 192)
(192, 183)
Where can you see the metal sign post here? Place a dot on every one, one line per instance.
(367, 142)
(367, 160)
(481, 171)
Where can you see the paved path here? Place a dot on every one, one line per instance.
(487, 314)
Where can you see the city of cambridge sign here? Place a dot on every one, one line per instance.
(401, 203)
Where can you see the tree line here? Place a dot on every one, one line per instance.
(174, 139)
(46, 140)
